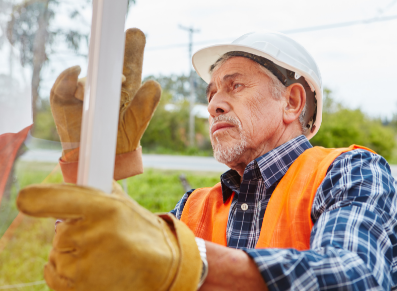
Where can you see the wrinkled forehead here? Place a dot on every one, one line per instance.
(235, 67)
(285, 76)
(232, 69)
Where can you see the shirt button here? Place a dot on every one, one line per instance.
(244, 206)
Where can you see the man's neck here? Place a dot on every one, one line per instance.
(249, 155)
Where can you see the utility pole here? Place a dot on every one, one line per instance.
(191, 30)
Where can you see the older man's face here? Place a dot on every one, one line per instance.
(244, 117)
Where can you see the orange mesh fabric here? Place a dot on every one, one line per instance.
(9, 146)
(287, 222)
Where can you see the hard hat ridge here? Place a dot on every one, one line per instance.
(285, 76)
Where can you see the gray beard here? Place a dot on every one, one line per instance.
(226, 154)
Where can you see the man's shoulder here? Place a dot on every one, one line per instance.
(361, 158)
(352, 157)
(360, 168)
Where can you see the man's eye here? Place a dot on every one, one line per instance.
(236, 86)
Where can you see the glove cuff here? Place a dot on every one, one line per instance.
(189, 270)
(126, 165)
(69, 171)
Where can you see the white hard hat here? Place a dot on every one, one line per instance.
(282, 51)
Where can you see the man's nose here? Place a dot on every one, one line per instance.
(218, 105)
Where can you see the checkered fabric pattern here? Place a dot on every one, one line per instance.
(353, 244)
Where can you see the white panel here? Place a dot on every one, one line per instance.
(15, 91)
(102, 95)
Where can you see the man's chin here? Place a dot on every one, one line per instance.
(228, 155)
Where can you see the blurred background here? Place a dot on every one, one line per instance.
(354, 43)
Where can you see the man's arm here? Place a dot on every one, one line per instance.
(352, 242)
(231, 269)
(224, 263)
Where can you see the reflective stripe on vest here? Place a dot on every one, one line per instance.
(287, 222)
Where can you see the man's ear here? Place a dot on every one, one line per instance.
(295, 100)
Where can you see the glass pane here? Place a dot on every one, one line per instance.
(38, 40)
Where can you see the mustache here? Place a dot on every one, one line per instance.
(229, 119)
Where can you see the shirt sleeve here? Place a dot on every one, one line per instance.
(353, 244)
(177, 211)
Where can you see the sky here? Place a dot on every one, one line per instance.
(356, 62)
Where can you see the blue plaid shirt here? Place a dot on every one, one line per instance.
(353, 244)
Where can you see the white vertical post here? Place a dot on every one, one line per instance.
(102, 95)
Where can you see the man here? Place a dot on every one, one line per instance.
(286, 216)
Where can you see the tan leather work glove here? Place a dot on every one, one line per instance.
(137, 105)
(109, 242)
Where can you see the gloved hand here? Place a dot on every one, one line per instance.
(109, 242)
(137, 105)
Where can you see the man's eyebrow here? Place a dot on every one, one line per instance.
(231, 76)
(210, 85)
(225, 78)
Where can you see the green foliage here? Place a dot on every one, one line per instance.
(28, 24)
(393, 124)
(179, 86)
(27, 173)
(24, 28)
(44, 123)
(167, 132)
(23, 259)
(159, 191)
(342, 127)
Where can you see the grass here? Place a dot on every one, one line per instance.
(25, 255)
(26, 174)
(159, 191)
(188, 151)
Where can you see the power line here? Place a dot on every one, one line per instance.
(288, 31)
(341, 24)
(390, 5)
(171, 46)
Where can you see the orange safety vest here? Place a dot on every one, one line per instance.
(287, 222)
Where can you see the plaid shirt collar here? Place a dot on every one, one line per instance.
(270, 167)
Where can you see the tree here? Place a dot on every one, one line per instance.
(33, 31)
(179, 86)
(167, 131)
(342, 127)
